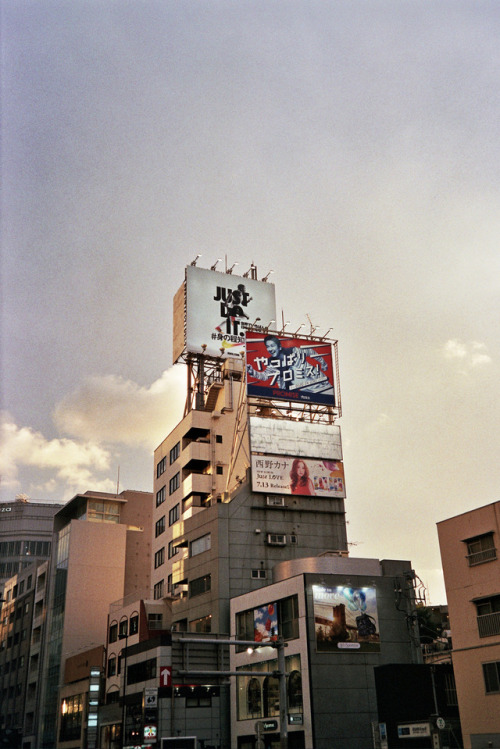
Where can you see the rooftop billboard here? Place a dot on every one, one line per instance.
(285, 474)
(293, 369)
(219, 307)
(299, 438)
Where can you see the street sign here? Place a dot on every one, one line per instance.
(165, 676)
(266, 725)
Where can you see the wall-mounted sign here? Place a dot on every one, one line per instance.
(413, 730)
(293, 369)
(346, 619)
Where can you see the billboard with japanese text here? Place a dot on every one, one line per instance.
(298, 438)
(219, 309)
(346, 619)
(282, 474)
(294, 369)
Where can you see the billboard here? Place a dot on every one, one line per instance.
(293, 369)
(219, 309)
(282, 474)
(299, 438)
(346, 619)
(265, 626)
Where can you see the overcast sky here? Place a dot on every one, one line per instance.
(350, 146)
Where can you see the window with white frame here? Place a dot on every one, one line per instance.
(199, 545)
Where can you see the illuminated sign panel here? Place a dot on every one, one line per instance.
(219, 309)
(281, 474)
(298, 438)
(265, 623)
(346, 619)
(294, 369)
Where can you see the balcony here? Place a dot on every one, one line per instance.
(197, 483)
(489, 624)
(196, 455)
(479, 557)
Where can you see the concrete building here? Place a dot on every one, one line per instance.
(101, 552)
(340, 618)
(25, 534)
(471, 568)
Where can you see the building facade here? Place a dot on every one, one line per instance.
(471, 567)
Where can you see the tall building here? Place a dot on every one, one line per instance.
(225, 509)
(471, 566)
(25, 534)
(101, 553)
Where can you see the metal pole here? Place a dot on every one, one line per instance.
(283, 696)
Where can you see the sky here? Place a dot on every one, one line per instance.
(350, 147)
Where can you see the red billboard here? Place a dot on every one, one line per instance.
(293, 369)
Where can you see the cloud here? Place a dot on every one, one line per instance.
(111, 409)
(472, 355)
(71, 463)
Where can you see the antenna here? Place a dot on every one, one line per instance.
(118, 482)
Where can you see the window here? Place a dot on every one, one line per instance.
(172, 549)
(481, 549)
(159, 557)
(112, 665)
(218, 438)
(161, 467)
(134, 624)
(103, 511)
(276, 539)
(173, 515)
(199, 697)
(175, 452)
(141, 671)
(158, 590)
(155, 621)
(174, 483)
(169, 584)
(491, 674)
(199, 585)
(245, 626)
(288, 617)
(201, 625)
(259, 574)
(160, 526)
(219, 470)
(113, 633)
(160, 495)
(275, 501)
(200, 545)
(123, 629)
(293, 538)
(71, 712)
(488, 616)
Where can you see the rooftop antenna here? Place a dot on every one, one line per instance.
(118, 482)
(313, 327)
(193, 262)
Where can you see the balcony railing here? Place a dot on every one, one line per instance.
(482, 556)
(489, 624)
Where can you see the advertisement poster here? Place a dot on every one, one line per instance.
(289, 369)
(303, 476)
(266, 623)
(346, 619)
(299, 438)
(219, 309)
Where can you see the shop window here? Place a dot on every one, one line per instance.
(288, 618)
(254, 698)
(71, 711)
(295, 691)
(271, 695)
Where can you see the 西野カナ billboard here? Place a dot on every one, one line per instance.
(293, 369)
(346, 619)
(220, 307)
(298, 438)
(310, 477)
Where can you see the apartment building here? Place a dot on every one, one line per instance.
(469, 551)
